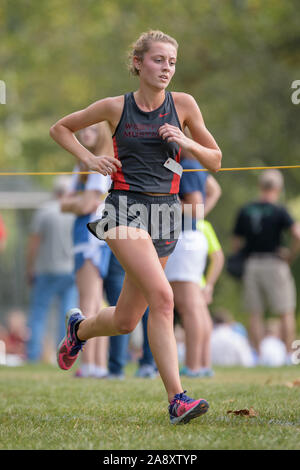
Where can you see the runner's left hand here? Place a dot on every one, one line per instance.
(174, 134)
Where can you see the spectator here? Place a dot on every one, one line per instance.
(50, 268)
(185, 267)
(258, 231)
(229, 348)
(272, 350)
(212, 252)
(91, 254)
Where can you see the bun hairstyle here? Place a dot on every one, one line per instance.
(142, 45)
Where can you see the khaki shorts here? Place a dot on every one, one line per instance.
(268, 283)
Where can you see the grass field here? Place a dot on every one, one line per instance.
(45, 408)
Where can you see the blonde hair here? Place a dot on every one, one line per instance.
(270, 179)
(142, 45)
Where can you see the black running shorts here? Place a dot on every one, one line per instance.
(159, 216)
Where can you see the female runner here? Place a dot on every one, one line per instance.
(147, 135)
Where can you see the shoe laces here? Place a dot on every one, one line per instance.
(79, 347)
(76, 344)
(182, 397)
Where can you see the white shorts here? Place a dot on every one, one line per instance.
(90, 250)
(188, 260)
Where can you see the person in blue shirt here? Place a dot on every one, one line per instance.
(186, 265)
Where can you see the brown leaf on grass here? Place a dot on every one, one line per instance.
(296, 383)
(245, 412)
(239, 412)
(252, 412)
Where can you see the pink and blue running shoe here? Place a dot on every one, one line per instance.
(70, 346)
(183, 408)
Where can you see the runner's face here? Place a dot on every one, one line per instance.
(158, 65)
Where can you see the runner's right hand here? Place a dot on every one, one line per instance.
(104, 164)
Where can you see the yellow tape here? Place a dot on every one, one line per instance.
(52, 173)
(45, 173)
(251, 168)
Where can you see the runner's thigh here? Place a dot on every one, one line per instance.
(142, 266)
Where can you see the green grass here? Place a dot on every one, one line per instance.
(42, 407)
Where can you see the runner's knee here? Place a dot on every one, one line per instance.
(162, 302)
(125, 327)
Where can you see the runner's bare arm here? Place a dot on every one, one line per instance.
(202, 145)
(108, 109)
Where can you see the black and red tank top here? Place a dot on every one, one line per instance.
(142, 151)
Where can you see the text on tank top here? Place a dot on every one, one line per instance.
(142, 151)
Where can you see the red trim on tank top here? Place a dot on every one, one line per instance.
(176, 178)
(118, 177)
